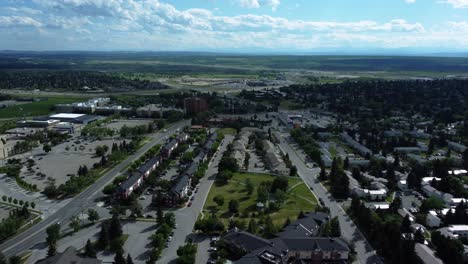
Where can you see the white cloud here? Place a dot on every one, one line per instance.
(456, 3)
(273, 4)
(19, 21)
(410, 1)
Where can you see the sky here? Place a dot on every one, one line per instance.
(283, 26)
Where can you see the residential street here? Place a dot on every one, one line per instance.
(365, 253)
(186, 217)
(34, 238)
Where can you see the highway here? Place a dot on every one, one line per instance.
(349, 231)
(35, 236)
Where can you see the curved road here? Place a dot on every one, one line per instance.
(36, 235)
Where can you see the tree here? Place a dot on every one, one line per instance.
(103, 239)
(252, 227)
(53, 234)
(119, 258)
(406, 225)
(186, 254)
(262, 193)
(293, 171)
(323, 173)
(219, 200)
(395, 205)
(249, 187)
(75, 223)
(419, 236)
(280, 196)
(279, 183)
(159, 216)
(335, 230)
(233, 206)
(15, 260)
(89, 250)
(47, 148)
(93, 215)
(129, 259)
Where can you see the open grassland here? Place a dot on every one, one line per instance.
(37, 108)
(299, 198)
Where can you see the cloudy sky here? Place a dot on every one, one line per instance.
(292, 26)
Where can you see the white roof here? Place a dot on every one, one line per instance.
(455, 228)
(458, 200)
(377, 192)
(429, 179)
(457, 172)
(383, 206)
(66, 115)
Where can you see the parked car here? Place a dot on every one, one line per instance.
(189, 204)
(142, 198)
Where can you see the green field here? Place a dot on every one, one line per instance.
(36, 108)
(227, 131)
(299, 198)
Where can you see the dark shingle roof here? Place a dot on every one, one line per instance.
(171, 144)
(130, 182)
(306, 226)
(181, 184)
(245, 240)
(148, 164)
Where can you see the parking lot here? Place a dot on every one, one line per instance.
(62, 161)
(119, 123)
(4, 212)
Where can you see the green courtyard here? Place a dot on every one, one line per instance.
(298, 198)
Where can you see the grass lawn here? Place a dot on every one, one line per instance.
(227, 131)
(37, 108)
(299, 198)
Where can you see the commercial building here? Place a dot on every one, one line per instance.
(74, 118)
(195, 105)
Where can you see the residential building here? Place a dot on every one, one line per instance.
(297, 243)
(456, 146)
(362, 150)
(195, 105)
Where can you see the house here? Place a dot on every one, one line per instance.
(454, 231)
(180, 190)
(275, 163)
(126, 188)
(169, 148)
(456, 146)
(419, 134)
(426, 254)
(432, 219)
(70, 255)
(407, 150)
(149, 166)
(362, 150)
(403, 185)
(431, 191)
(182, 138)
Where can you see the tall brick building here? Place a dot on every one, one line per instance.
(195, 105)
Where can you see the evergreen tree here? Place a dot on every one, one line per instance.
(406, 225)
(129, 259)
(119, 258)
(89, 250)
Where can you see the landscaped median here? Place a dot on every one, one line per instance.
(255, 196)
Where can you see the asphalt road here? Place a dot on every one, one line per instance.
(36, 235)
(186, 217)
(365, 252)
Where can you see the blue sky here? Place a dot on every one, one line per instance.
(291, 26)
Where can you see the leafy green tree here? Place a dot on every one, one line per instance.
(47, 148)
(219, 200)
(75, 223)
(93, 215)
(53, 234)
(233, 206)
